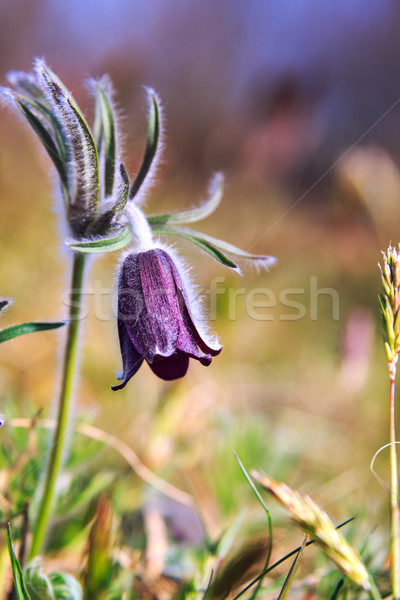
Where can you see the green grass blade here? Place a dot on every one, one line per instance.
(338, 589)
(24, 328)
(17, 573)
(280, 561)
(270, 529)
(292, 572)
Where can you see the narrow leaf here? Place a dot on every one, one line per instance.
(269, 519)
(108, 142)
(338, 589)
(26, 83)
(292, 571)
(46, 117)
(90, 166)
(23, 328)
(18, 576)
(204, 242)
(199, 213)
(152, 146)
(45, 137)
(185, 232)
(84, 186)
(280, 561)
(42, 67)
(122, 193)
(103, 245)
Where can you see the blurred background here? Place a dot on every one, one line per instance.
(298, 103)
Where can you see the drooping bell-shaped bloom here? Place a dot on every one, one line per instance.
(155, 318)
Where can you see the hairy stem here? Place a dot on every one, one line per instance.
(68, 375)
(394, 498)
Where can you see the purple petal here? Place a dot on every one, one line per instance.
(147, 303)
(170, 367)
(131, 359)
(155, 321)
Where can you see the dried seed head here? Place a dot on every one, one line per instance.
(389, 300)
(318, 525)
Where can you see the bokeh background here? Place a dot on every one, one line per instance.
(298, 103)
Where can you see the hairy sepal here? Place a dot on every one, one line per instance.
(215, 247)
(101, 245)
(145, 176)
(83, 168)
(105, 134)
(196, 214)
(37, 122)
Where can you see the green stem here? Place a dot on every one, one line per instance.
(394, 498)
(374, 592)
(69, 367)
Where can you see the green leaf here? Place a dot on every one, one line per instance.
(85, 183)
(292, 572)
(152, 146)
(49, 121)
(123, 192)
(338, 589)
(44, 136)
(88, 159)
(199, 213)
(23, 328)
(108, 143)
(65, 587)
(27, 83)
(37, 583)
(41, 65)
(204, 242)
(18, 576)
(104, 244)
(207, 241)
(55, 586)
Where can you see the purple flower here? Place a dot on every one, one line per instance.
(155, 321)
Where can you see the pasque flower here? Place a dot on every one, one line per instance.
(156, 322)
(159, 318)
